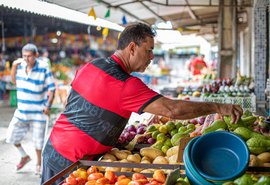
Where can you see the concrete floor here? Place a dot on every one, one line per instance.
(9, 156)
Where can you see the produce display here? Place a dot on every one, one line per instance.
(92, 176)
(161, 141)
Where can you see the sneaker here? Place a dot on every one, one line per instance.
(23, 162)
(38, 170)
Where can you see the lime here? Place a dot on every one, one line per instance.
(174, 131)
(163, 129)
(161, 137)
(165, 148)
(168, 143)
(170, 125)
(191, 126)
(178, 124)
(158, 145)
(154, 134)
(151, 128)
(182, 129)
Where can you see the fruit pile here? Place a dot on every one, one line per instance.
(92, 176)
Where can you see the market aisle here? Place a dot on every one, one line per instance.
(9, 156)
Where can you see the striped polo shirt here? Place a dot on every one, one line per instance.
(32, 91)
(101, 100)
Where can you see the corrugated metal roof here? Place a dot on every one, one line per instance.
(49, 9)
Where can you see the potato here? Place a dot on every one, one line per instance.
(136, 158)
(172, 151)
(264, 157)
(126, 151)
(147, 171)
(113, 150)
(125, 169)
(138, 170)
(146, 158)
(102, 168)
(152, 153)
(109, 156)
(173, 159)
(114, 169)
(266, 164)
(120, 155)
(160, 160)
(254, 160)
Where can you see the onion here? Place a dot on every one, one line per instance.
(131, 128)
(132, 135)
(140, 130)
(193, 121)
(151, 141)
(141, 139)
(201, 120)
(142, 125)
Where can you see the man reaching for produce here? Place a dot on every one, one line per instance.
(104, 95)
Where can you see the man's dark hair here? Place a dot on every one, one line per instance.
(135, 33)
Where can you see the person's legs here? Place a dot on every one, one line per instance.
(38, 139)
(15, 134)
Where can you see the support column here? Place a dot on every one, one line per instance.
(261, 50)
(227, 55)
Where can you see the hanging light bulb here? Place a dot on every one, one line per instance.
(105, 32)
(98, 28)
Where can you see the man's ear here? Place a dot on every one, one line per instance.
(131, 48)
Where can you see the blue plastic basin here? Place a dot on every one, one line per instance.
(220, 156)
(194, 177)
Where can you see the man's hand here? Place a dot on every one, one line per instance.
(235, 111)
(46, 111)
(17, 62)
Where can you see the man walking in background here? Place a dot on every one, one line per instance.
(33, 79)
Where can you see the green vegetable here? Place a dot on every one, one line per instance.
(218, 124)
(229, 183)
(246, 134)
(247, 113)
(264, 180)
(258, 145)
(243, 122)
(244, 180)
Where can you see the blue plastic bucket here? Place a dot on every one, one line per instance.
(219, 156)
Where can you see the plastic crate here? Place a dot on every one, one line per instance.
(247, 103)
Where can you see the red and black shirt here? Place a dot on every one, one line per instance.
(101, 100)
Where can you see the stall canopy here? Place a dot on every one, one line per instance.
(187, 16)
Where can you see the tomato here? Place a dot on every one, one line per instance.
(124, 181)
(95, 176)
(102, 181)
(92, 169)
(159, 176)
(137, 176)
(71, 181)
(111, 176)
